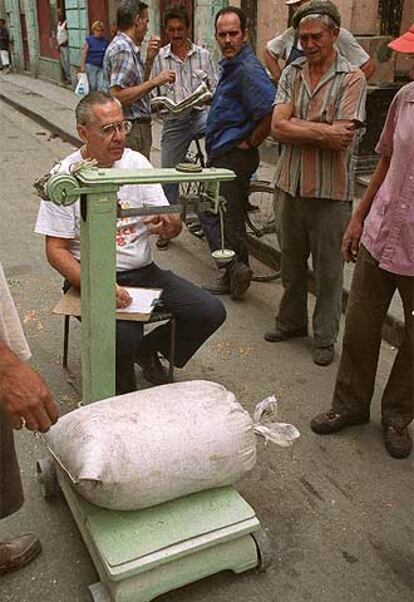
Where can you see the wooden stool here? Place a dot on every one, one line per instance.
(69, 306)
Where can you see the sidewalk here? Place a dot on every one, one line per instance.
(52, 106)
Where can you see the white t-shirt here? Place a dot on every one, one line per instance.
(62, 36)
(281, 46)
(133, 249)
(11, 331)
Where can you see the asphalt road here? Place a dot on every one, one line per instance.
(338, 509)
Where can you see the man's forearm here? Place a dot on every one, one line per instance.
(374, 185)
(127, 96)
(299, 131)
(368, 68)
(261, 131)
(64, 263)
(273, 65)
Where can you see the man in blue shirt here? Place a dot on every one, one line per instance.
(238, 121)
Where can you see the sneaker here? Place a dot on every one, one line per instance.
(18, 551)
(397, 440)
(323, 356)
(152, 368)
(277, 336)
(221, 286)
(331, 422)
(240, 279)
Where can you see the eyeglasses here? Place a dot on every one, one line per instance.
(110, 129)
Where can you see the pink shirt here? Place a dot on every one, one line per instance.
(389, 227)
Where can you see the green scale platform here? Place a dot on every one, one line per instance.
(142, 554)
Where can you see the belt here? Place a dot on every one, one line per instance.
(141, 120)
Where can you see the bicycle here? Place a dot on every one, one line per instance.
(260, 216)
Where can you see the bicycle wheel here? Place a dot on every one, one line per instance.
(260, 215)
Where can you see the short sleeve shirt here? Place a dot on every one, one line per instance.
(123, 66)
(199, 66)
(133, 248)
(389, 227)
(11, 331)
(311, 171)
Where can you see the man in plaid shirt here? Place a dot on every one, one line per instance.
(128, 76)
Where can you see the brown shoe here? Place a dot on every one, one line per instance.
(397, 440)
(277, 336)
(323, 356)
(331, 422)
(18, 551)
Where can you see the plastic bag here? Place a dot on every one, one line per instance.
(264, 424)
(82, 87)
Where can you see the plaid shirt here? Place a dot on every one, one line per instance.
(311, 171)
(123, 66)
(189, 73)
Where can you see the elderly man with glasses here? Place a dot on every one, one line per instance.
(102, 128)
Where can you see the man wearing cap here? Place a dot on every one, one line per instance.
(320, 104)
(287, 46)
(381, 237)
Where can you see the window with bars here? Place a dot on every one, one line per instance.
(390, 13)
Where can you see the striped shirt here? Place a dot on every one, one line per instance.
(311, 171)
(123, 66)
(198, 66)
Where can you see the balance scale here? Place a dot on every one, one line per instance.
(141, 554)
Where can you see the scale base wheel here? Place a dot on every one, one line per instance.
(47, 478)
(264, 550)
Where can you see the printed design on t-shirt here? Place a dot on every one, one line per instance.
(126, 228)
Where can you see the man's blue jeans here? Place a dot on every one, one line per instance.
(177, 135)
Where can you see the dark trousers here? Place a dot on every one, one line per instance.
(236, 192)
(371, 293)
(197, 314)
(312, 227)
(11, 492)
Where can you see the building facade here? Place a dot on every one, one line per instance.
(32, 24)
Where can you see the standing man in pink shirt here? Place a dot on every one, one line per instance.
(380, 238)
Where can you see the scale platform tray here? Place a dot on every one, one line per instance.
(142, 554)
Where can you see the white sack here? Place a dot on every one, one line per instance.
(148, 447)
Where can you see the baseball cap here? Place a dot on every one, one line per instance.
(404, 43)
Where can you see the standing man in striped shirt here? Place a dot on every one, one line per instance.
(319, 106)
(128, 76)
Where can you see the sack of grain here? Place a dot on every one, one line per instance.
(148, 447)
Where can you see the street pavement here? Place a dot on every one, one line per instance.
(338, 509)
(53, 107)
